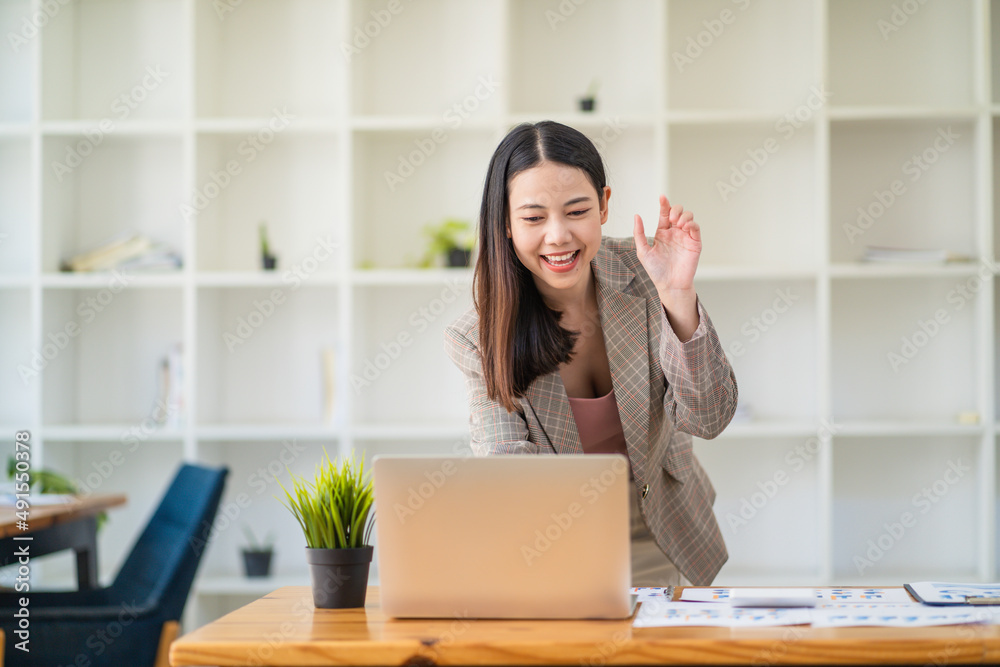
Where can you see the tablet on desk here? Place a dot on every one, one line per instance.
(519, 536)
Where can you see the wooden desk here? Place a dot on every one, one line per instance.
(283, 628)
(58, 527)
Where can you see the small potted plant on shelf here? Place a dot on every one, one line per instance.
(335, 513)
(268, 261)
(588, 102)
(257, 555)
(451, 239)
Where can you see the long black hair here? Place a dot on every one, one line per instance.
(519, 335)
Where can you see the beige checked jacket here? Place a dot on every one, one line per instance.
(666, 391)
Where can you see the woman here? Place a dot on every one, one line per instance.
(581, 343)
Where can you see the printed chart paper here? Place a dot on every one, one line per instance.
(939, 592)
(824, 595)
(660, 613)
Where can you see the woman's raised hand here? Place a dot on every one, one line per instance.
(672, 260)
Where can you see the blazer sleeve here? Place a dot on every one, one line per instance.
(701, 390)
(493, 429)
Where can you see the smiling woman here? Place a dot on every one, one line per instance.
(580, 343)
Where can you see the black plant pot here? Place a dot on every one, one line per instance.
(339, 576)
(587, 103)
(269, 262)
(257, 563)
(458, 257)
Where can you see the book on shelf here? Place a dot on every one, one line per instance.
(923, 256)
(170, 401)
(133, 252)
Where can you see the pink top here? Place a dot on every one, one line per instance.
(599, 424)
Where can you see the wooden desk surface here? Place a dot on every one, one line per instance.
(283, 628)
(43, 516)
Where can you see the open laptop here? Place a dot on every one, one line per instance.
(519, 536)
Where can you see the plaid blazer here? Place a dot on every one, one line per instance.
(666, 391)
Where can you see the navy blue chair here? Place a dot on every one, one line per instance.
(129, 622)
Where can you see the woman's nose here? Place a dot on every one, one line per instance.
(557, 231)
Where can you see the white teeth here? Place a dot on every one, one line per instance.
(560, 259)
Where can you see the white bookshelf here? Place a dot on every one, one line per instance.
(267, 87)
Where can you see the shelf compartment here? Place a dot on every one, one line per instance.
(883, 54)
(17, 207)
(289, 181)
(253, 57)
(122, 184)
(267, 432)
(414, 180)
(18, 381)
(400, 345)
(763, 488)
(896, 334)
(892, 182)
(240, 380)
(19, 25)
(630, 166)
(758, 323)
(404, 277)
(926, 485)
(459, 73)
(114, 61)
(739, 46)
(753, 191)
(604, 39)
(115, 340)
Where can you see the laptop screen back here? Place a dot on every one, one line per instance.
(518, 536)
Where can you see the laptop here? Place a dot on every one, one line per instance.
(520, 536)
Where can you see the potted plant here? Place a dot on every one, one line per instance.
(257, 555)
(335, 513)
(589, 100)
(451, 239)
(267, 260)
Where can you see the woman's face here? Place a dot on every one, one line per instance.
(555, 225)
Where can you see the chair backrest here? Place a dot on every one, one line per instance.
(161, 566)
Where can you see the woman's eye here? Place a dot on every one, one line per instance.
(580, 212)
(534, 218)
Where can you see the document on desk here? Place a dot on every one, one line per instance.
(823, 595)
(660, 613)
(897, 615)
(944, 593)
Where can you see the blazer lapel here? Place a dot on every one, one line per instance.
(626, 338)
(547, 397)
